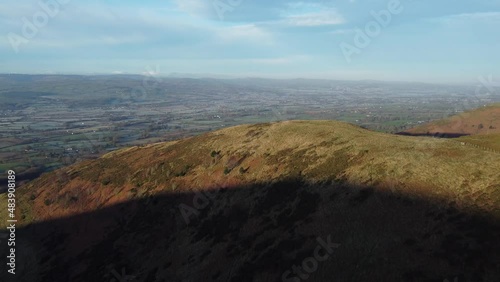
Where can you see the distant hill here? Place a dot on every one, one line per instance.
(482, 121)
(253, 202)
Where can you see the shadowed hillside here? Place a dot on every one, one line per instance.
(248, 203)
(258, 233)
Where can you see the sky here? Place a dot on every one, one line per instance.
(408, 40)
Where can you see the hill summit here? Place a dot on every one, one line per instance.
(287, 201)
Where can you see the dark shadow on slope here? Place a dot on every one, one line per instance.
(259, 233)
(435, 135)
(25, 176)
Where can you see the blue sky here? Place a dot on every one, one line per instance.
(432, 41)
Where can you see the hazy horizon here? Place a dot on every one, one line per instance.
(390, 40)
(243, 77)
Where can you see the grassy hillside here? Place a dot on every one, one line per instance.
(248, 203)
(485, 141)
(485, 120)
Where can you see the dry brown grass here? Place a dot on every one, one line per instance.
(484, 120)
(491, 141)
(381, 196)
(320, 151)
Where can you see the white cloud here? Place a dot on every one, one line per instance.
(477, 16)
(486, 17)
(311, 14)
(316, 19)
(247, 33)
(195, 7)
(342, 31)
